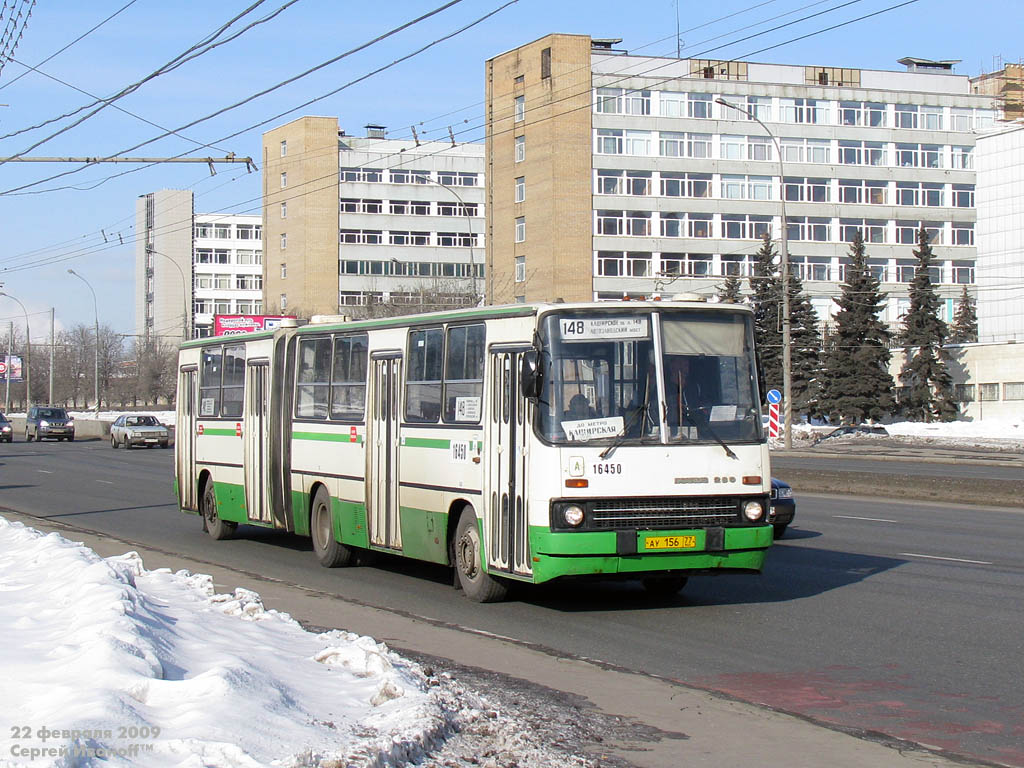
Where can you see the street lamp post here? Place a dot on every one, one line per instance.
(186, 308)
(469, 226)
(28, 354)
(787, 352)
(96, 360)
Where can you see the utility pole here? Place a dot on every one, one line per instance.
(51, 356)
(10, 344)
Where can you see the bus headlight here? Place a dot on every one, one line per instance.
(753, 511)
(573, 515)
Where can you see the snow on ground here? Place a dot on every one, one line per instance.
(106, 663)
(997, 435)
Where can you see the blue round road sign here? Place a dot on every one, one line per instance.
(774, 396)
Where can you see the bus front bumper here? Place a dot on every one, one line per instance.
(557, 554)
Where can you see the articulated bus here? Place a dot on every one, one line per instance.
(512, 443)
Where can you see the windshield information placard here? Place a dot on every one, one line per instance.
(603, 328)
(592, 429)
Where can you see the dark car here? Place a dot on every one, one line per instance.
(46, 421)
(6, 430)
(857, 429)
(783, 507)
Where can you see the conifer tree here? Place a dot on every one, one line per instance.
(731, 292)
(766, 299)
(805, 348)
(856, 384)
(928, 387)
(965, 322)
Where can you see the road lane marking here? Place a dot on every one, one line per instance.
(45, 471)
(949, 559)
(106, 482)
(870, 519)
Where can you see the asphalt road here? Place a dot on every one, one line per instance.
(901, 618)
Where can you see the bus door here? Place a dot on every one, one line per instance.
(382, 454)
(185, 438)
(256, 441)
(506, 435)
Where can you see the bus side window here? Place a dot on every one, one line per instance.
(348, 379)
(233, 391)
(313, 378)
(464, 373)
(423, 381)
(209, 382)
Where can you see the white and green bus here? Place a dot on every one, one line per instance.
(513, 443)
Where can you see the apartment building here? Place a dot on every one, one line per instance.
(353, 222)
(611, 175)
(190, 267)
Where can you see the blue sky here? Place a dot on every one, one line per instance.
(48, 232)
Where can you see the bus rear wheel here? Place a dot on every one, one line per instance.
(665, 586)
(212, 524)
(478, 585)
(329, 551)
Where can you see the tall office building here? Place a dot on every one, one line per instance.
(189, 266)
(611, 175)
(1000, 268)
(358, 221)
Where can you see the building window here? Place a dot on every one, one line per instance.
(685, 184)
(520, 269)
(699, 105)
(284, 302)
(737, 264)
(520, 189)
(988, 392)
(963, 158)
(963, 195)
(284, 179)
(284, 240)
(203, 230)
(406, 176)
(222, 231)
(1013, 390)
(810, 228)
(862, 113)
(284, 270)
(732, 147)
(284, 148)
(520, 104)
(638, 143)
(520, 149)
(284, 211)
(810, 111)
(520, 234)
(373, 175)
(746, 227)
(698, 225)
(872, 230)
(806, 190)
(963, 233)
(545, 63)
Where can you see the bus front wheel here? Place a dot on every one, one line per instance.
(212, 524)
(329, 551)
(478, 585)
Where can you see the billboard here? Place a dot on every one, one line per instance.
(227, 325)
(12, 365)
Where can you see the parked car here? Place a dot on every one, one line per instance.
(132, 430)
(45, 421)
(783, 507)
(6, 430)
(857, 429)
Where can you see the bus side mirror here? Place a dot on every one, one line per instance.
(530, 378)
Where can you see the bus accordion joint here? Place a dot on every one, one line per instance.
(577, 482)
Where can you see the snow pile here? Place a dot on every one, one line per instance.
(107, 663)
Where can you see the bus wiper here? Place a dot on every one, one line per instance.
(621, 437)
(711, 431)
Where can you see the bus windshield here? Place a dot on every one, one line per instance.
(648, 377)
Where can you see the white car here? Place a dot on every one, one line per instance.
(131, 430)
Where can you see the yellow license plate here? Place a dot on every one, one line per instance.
(670, 542)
